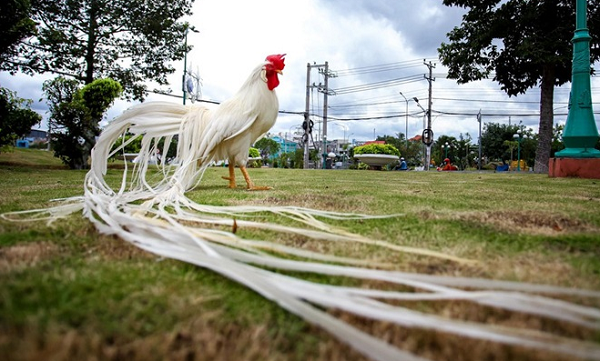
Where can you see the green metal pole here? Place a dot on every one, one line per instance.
(519, 155)
(580, 134)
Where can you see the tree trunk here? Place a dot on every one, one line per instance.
(91, 43)
(542, 155)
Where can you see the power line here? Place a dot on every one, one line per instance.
(378, 85)
(378, 68)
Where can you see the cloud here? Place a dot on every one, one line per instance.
(236, 35)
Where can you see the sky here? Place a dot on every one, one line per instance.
(376, 50)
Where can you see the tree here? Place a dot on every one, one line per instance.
(16, 117)
(131, 41)
(439, 150)
(557, 144)
(15, 25)
(75, 116)
(524, 44)
(267, 146)
(399, 142)
(410, 151)
(493, 140)
(496, 142)
(512, 146)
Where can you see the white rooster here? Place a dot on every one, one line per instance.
(241, 120)
(203, 135)
(161, 219)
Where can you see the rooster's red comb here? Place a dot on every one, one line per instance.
(276, 60)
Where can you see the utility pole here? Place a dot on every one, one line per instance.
(428, 130)
(306, 125)
(405, 121)
(184, 67)
(429, 79)
(479, 157)
(325, 91)
(322, 88)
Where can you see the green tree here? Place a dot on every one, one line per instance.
(267, 146)
(131, 41)
(463, 149)
(399, 141)
(75, 115)
(298, 158)
(439, 150)
(512, 146)
(496, 138)
(557, 143)
(521, 44)
(493, 140)
(16, 117)
(15, 25)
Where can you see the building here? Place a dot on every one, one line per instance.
(34, 136)
(285, 145)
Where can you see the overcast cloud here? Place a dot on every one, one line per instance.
(235, 35)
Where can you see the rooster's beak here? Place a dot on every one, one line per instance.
(279, 71)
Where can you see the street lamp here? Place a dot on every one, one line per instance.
(406, 120)
(519, 137)
(419, 104)
(446, 147)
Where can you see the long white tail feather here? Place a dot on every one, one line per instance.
(150, 210)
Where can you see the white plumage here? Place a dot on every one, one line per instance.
(203, 135)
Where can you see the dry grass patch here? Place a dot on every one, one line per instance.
(205, 338)
(322, 201)
(112, 249)
(528, 222)
(440, 346)
(23, 255)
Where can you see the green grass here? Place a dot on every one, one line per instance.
(68, 292)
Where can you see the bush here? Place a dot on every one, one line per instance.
(253, 153)
(377, 149)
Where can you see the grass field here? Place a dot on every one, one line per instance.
(69, 293)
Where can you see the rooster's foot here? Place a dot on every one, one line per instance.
(257, 188)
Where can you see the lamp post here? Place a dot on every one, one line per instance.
(405, 120)
(446, 147)
(581, 133)
(519, 137)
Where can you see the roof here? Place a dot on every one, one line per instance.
(374, 142)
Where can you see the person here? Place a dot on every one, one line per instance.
(447, 167)
(403, 165)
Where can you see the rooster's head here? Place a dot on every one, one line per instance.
(273, 67)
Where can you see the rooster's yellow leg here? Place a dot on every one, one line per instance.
(251, 186)
(231, 177)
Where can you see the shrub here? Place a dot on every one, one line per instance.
(377, 149)
(253, 153)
